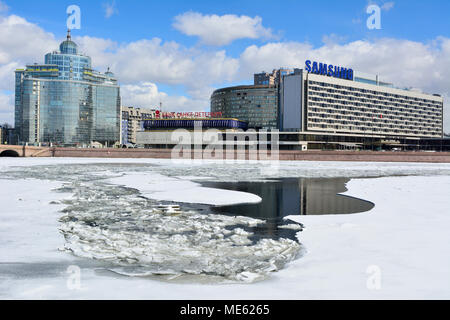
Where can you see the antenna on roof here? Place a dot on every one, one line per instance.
(69, 37)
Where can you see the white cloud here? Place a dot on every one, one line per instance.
(7, 75)
(101, 50)
(23, 41)
(110, 9)
(388, 6)
(403, 62)
(221, 30)
(272, 56)
(141, 65)
(161, 62)
(147, 95)
(6, 108)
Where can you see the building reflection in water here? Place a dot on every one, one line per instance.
(291, 196)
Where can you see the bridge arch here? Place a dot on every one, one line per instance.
(9, 153)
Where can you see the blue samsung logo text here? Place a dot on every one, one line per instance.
(329, 70)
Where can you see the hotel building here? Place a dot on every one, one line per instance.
(65, 102)
(327, 104)
(363, 106)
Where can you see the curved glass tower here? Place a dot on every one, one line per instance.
(257, 105)
(65, 102)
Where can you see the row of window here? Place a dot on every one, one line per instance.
(392, 112)
(328, 111)
(370, 107)
(373, 121)
(369, 131)
(386, 94)
(395, 102)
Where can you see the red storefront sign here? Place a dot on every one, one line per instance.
(192, 115)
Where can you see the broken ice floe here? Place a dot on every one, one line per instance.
(291, 226)
(188, 243)
(138, 236)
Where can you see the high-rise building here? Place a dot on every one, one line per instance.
(65, 102)
(311, 102)
(132, 119)
(257, 105)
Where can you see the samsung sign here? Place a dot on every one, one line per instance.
(329, 70)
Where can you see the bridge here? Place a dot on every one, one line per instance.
(310, 155)
(25, 151)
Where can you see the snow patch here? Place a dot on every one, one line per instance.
(160, 187)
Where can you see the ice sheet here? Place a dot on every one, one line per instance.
(159, 187)
(107, 221)
(405, 237)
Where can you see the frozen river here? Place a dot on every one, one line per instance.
(131, 223)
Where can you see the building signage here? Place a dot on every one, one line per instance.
(329, 70)
(177, 115)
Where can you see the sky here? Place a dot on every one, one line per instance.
(178, 52)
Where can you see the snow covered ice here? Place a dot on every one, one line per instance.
(118, 224)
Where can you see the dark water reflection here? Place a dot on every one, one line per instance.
(291, 196)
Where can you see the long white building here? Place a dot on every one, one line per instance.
(323, 100)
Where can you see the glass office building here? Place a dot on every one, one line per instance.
(257, 105)
(65, 102)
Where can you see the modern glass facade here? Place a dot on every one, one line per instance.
(256, 105)
(65, 102)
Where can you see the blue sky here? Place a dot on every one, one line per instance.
(167, 43)
(293, 20)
